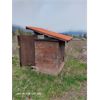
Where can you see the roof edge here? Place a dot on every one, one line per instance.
(37, 29)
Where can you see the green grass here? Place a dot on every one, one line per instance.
(38, 86)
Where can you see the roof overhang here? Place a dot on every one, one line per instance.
(50, 33)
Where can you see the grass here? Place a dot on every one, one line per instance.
(37, 86)
(70, 84)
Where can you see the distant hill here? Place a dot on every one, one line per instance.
(16, 27)
(75, 33)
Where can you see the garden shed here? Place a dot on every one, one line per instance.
(44, 50)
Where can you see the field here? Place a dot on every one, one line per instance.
(70, 84)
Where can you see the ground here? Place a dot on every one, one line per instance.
(70, 84)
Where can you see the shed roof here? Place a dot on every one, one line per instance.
(50, 33)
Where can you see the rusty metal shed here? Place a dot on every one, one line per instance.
(44, 51)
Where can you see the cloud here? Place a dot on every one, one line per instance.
(57, 15)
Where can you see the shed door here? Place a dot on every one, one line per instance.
(26, 50)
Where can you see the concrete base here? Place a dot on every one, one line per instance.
(51, 71)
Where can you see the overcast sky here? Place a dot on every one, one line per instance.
(55, 15)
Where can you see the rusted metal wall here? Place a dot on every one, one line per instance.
(26, 50)
(62, 50)
(46, 55)
(61, 53)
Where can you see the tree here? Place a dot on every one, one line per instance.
(85, 35)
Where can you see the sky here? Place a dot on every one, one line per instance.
(55, 15)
